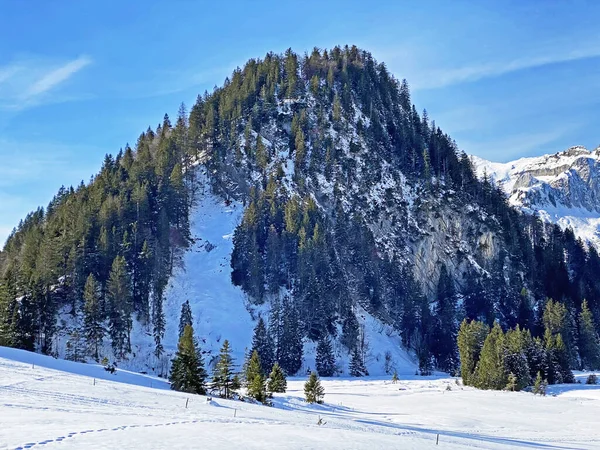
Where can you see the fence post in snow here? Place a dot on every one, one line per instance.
(94, 382)
(437, 439)
(186, 402)
(235, 412)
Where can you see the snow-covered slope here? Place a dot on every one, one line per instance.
(42, 407)
(563, 188)
(222, 311)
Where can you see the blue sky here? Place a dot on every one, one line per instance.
(81, 79)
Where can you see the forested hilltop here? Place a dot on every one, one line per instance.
(353, 201)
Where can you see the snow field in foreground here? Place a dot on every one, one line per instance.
(46, 408)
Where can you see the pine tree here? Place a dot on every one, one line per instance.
(94, 331)
(539, 386)
(276, 381)
(313, 391)
(589, 342)
(119, 300)
(186, 317)
(290, 345)
(224, 379)
(515, 358)
(325, 361)
(187, 369)
(255, 380)
(357, 367)
(471, 337)
(75, 347)
(490, 373)
(262, 344)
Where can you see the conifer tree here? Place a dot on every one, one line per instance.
(261, 343)
(471, 337)
(255, 380)
(589, 342)
(94, 330)
(186, 317)
(515, 358)
(277, 381)
(119, 301)
(224, 378)
(325, 360)
(313, 391)
(395, 377)
(357, 367)
(187, 369)
(539, 386)
(490, 373)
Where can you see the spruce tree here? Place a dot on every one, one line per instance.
(471, 337)
(263, 345)
(277, 381)
(313, 391)
(357, 367)
(119, 301)
(224, 378)
(515, 358)
(589, 342)
(490, 373)
(539, 386)
(325, 361)
(187, 369)
(186, 317)
(94, 330)
(255, 380)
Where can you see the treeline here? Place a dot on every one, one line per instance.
(101, 252)
(513, 360)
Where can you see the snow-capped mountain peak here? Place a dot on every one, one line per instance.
(563, 187)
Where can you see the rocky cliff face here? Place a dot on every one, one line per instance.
(563, 188)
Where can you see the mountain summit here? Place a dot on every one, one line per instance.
(360, 222)
(563, 188)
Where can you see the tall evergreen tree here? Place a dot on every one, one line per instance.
(490, 372)
(471, 337)
(186, 317)
(255, 380)
(224, 378)
(357, 366)
(325, 360)
(119, 301)
(93, 318)
(187, 369)
(589, 342)
(263, 345)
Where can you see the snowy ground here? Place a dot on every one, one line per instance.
(42, 407)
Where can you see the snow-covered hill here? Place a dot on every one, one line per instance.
(563, 188)
(56, 404)
(222, 311)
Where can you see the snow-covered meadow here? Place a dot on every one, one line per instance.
(48, 403)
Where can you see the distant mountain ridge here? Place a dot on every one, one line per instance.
(562, 188)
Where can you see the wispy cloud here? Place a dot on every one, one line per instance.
(30, 82)
(57, 76)
(434, 78)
